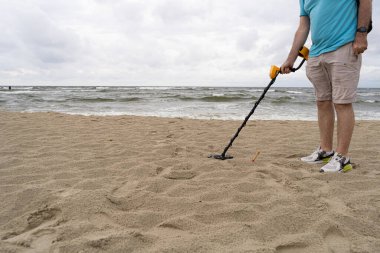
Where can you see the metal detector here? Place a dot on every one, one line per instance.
(273, 73)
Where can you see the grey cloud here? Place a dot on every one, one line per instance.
(180, 11)
(246, 40)
(47, 42)
(35, 38)
(130, 16)
(149, 41)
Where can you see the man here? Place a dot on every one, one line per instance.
(339, 37)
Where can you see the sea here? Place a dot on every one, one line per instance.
(225, 103)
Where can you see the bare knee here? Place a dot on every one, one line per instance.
(343, 107)
(324, 105)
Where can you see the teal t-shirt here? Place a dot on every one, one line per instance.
(332, 23)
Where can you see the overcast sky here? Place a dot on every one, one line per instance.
(155, 42)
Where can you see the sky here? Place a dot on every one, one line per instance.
(155, 42)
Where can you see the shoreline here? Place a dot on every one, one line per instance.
(252, 119)
(74, 183)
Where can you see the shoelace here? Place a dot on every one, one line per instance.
(339, 158)
(317, 151)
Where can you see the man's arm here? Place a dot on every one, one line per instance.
(299, 40)
(364, 16)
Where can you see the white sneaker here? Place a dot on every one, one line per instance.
(338, 163)
(318, 156)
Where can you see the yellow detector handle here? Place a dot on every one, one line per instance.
(273, 71)
(303, 53)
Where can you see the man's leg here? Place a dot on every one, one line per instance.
(326, 118)
(345, 128)
(346, 122)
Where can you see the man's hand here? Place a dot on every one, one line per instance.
(364, 16)
(287, 66)
(360, 44)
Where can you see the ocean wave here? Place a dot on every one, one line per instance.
(221, 98)
(215, 98)
(19, 92)
(47, 100)
(103, 89)
(154, 88)
(294, 92)
(369, 94)
(282, 100)
(104, 100)
(131, 99)
(370, 101)
(92, 100)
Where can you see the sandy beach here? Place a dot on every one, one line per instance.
(144, 184)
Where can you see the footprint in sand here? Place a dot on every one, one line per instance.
(180, 175)
(126, 188)
(42, 240)
(180, 172)
(42, 215)
(292, 249)
(40, 233)
(336, 242)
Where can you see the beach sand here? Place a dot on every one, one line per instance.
(144, 184)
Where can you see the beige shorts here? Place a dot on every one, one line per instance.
(335, 75)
